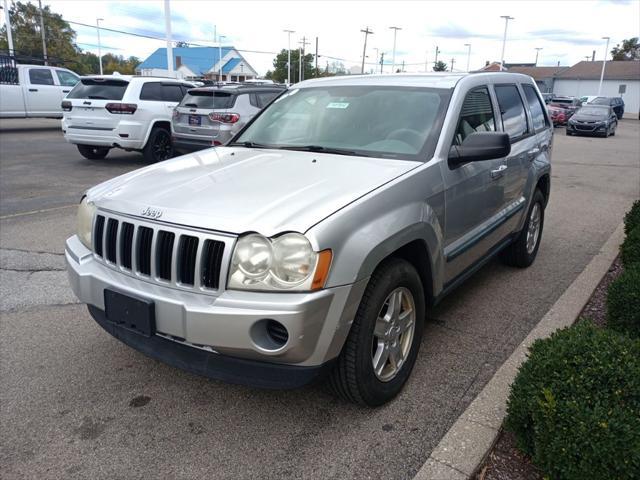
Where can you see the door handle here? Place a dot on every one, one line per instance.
(534, 151)
(66, 91)
(33, 89)
(498, 172)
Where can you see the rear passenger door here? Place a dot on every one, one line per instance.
(541, 124)
(42, 95)
(515, 122)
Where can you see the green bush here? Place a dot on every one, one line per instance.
(623, 302)
(632, 218)
(575, 405)
(630, 248)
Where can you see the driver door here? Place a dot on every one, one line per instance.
(474, 194)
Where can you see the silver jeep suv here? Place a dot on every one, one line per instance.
(311, 246)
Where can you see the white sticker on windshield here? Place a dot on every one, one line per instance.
(338, 105)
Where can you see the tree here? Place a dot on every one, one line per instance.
(440, 66)
(630, 50)
(181, 44)
(279, 72)
(117, 63)
(27, 37)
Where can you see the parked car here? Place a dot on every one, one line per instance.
(617, 103)
(29, 91)
(593, 119)
(122, 111)
(558, 115)
(587, 98)
(569, 104)
(313, 243)
(213, 115)
(547, 97)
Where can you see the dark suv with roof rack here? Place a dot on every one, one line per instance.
(210, 116)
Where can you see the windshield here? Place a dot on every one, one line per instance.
(208, 99)
(99, 89)
(600, 101)
(593, 111)
(387, 121)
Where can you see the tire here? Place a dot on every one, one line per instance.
(158, 147)
(613, 130)
(353, 377)
(518, 254)
(567, 132)
(91, 152)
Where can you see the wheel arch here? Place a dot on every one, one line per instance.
(166, 124)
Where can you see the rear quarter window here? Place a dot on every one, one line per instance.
(99, 89)
(535, 107)
(514, 118)
(152, 91)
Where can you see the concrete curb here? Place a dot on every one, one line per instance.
(469, 440)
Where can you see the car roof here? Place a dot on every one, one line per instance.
(237, 89)
(433, 80)
(130, 78)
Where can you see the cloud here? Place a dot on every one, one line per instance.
(455, 31)
(561, 35)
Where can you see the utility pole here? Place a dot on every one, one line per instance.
(7, 21)
(402, 69)
(44, 42)
(98, 20)
(289, 32)
(393, 57)
(504, 38)
(366, 32)
(604, 63)
(303, 44)
(381, 61)
(537, 49)
(435, 62)
(593, 56)
(167, 28)
(316, 57)
(377, 55)
(453, 60)
(468, 45)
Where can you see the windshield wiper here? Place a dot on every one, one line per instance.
(97, 97)
(248, 145)
(190, 105)
(321, 149)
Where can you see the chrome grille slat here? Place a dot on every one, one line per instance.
(183, 258)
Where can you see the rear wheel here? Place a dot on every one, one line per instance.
(522, 252)
(158, 147)
(385, 337)
(92, 152)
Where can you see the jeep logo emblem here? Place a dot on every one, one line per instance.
(151, 213)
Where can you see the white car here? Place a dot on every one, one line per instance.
(122, 111)
(28, 91)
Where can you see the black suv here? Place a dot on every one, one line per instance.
(614, 102)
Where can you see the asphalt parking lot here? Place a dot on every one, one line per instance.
(76, 403)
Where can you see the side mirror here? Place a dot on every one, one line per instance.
(480, 146)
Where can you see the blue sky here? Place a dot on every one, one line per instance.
(567, 31)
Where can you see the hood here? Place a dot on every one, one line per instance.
(238, 190)
(590, 118)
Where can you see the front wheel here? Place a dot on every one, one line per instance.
(158, 147)
(92, 152)
(522, 252)
(383, 343)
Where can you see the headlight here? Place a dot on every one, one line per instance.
(287, 262)
(86, 210)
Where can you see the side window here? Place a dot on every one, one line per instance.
(171, 93)
(66, 79)
(264, 98)
(253, 100)
(151, 91)
(476, 115)
(535, 106)
(40, 76)
(514, 119)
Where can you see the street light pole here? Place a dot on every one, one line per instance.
(604, 62)
(44, 42)
(167, 26)
(468, 45)
(289, 32)
(98, 20)
(220, 37)
(504, 38)
(303, 46)
(366, 32)
(537, 49)
(7, 21)
(393, 55)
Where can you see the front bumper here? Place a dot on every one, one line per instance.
(587, 129)
(227, 323)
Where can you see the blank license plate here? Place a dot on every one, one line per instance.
(134, 314)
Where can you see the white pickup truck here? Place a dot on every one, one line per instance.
(28, 91)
